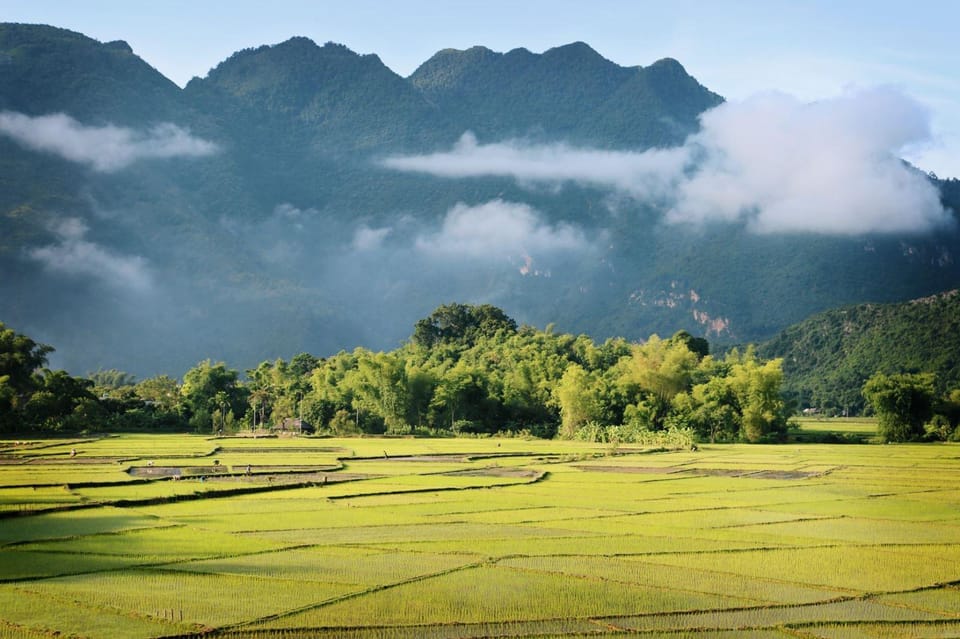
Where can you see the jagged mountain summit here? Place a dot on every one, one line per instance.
(327, 94)
(303, 197)
(44, 70)
(578, 92)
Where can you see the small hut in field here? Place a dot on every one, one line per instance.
(294, 425)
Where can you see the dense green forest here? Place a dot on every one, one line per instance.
(466, 370)
(828, 357)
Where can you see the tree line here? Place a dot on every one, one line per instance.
(465, 370)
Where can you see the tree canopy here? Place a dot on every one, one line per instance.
(34, 396)
(461, 324)
(466, 370)
(830, 356)
(903, 404)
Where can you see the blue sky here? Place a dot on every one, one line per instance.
(812, 50)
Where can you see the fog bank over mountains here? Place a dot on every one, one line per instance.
(306, 198)
(771, 161)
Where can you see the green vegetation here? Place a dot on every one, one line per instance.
(467, 370)
(411, 538)
(829, 357)
(43, 400)
(903, 403)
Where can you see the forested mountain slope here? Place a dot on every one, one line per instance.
(828, 357)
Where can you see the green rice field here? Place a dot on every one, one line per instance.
(183, 536)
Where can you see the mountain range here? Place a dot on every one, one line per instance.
(305, 198)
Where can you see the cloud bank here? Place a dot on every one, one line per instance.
(104, 148)
(75, 255)
(641, 173)
(772, 162)
(498, 229)
(828, 167)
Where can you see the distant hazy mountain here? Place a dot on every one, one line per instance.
(260, 211)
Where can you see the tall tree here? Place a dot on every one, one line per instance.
(161, 391)
(461, 324)
(461, 399)
(383, 384)
(578, 400)
(63, 402)
(659, 370)
(756, 385)
(903, 404)
(21, 359)
(211, 394)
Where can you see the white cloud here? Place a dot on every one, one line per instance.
(74, 255)
(771, 161)
(291, 212)
(288, 214)
(649, 173)
(104, 148)
(498, 229)
(370, 239)
(827, 167)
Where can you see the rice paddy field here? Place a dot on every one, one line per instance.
(242, 538)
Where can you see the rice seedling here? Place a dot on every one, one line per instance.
(109, 494)
(529, 515)
(944, 601)
(168, 543)
(193, 597)
(333, 564)
(865, 531)
(718, 518)
(772, 616)
(17, 564)
(36, 475)
(572, 545)
(542, 628)
(922, 507)
(13, 631)
(838, 424)
(633, 570)
(858, 569)
(890, 630)
(420, 533)
(31, 498)
(491, 593)
(70, 524)
(41, 613)
(323, 517)
(449, 538)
